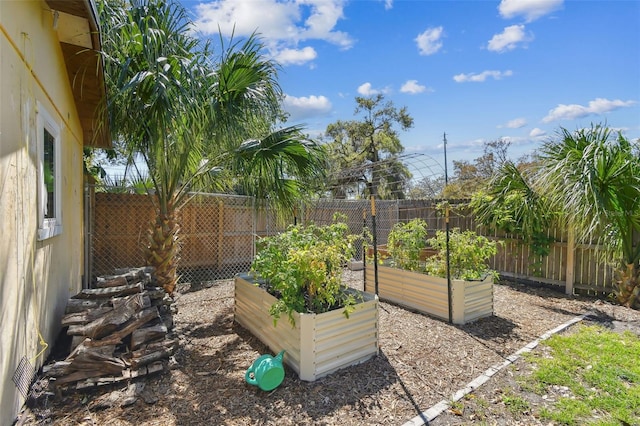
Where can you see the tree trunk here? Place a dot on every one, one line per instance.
(163, 248)
(628, 290)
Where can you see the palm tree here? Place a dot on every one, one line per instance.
(189, 118)
(593, 179)
(511, 203)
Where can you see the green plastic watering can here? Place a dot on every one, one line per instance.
(266, 372)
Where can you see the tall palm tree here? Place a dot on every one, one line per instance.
(188, 116)
(593, 178)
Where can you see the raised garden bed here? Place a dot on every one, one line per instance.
(470, 300)
(317, 344)
(383, 252)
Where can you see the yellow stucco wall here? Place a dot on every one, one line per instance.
(36, 277)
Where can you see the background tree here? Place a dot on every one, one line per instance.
(365, 153)
(469, 177)
(427, 187)
(195, 122)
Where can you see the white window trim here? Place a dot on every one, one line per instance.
(48, 227)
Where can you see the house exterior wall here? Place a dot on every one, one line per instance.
(36, 277)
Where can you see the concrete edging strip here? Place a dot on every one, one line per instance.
(440, 407)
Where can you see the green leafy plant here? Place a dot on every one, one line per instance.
(468, 252)
(303, 267)
(511, 204)
(405, 243)
(468, 255)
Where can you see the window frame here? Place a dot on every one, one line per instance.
(49, 226)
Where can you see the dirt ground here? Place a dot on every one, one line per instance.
(422, 361)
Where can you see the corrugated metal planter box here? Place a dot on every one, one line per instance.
(318, 344)
(471, 300)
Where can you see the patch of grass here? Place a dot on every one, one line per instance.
(457, 405)
(456, 408)
(600, 371)
(478, 406)
(515, 404)
(480, 402)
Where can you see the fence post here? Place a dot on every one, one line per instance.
(375, 244)
(571, 249)
(220, 231)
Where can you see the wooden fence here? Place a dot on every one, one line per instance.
(219, 234)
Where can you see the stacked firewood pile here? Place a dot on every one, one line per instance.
(120, 330)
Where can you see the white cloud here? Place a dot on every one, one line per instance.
(478, 78)
(412, 87)
(514, 124)
(280, 24)
(273, 20)
(305, 107)
(536, 133)
(508, 39)
(388, 4)
(595, 107)
(529, 9)
(296, 56)
(429, 42)
(324, 16)
(366, 89)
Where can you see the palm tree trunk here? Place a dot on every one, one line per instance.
(163, 248)
(628, 291)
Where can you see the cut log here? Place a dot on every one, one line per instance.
(95, 343)
(76, 376)
(168, 344)
(147, 334)
(85, 317)
(130, 276)
(112, 282)
(138, 320)
(110, 322)
(87, 357)
(90, 363)
(119, 301)
(122, 290)
(150, 357)
(147, 369)
(79, 305)
(88, 346)
(58, 368)
(126, 375)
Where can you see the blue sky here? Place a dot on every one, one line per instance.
(477, 70)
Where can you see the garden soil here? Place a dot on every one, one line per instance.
(422, 361)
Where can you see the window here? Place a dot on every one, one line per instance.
(49, 180)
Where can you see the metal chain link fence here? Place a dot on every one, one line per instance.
(218, 232)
